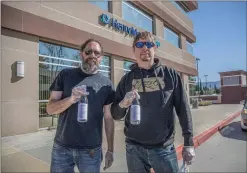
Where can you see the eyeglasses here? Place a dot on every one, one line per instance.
(90, 51)
(141, 44)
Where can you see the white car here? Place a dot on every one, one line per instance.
(244, 116)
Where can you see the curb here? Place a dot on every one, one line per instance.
(204, 136)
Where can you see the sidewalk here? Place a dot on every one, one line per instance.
(225, 151)
(31, 152)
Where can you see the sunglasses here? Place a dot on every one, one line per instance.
(90, 51)
(141, 44)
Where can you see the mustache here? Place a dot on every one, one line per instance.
(91, 59)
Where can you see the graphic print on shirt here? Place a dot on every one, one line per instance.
(94, 84)
(151, 84)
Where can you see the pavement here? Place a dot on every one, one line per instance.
(225, 151)
(32, 152)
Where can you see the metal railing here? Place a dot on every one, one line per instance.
(46, 121)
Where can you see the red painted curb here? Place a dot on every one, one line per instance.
(202, 137)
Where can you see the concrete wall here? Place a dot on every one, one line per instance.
(175, 13)
(19, 95)
(213, 98)
(159, 27)
(89, 21)
(185, 79)
(233, 94)
(117, 70)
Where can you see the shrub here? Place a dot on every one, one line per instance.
(205, 103)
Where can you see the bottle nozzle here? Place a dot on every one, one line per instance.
(137, 96)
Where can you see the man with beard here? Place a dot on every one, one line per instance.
(150, 144)
(79, 143)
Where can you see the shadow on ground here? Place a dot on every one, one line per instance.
(233, 131)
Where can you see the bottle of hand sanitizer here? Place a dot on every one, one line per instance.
(82, 113)
(135, 112)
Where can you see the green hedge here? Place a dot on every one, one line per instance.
(205, 103)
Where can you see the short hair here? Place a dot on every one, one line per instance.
(83, 45)
(143, 35)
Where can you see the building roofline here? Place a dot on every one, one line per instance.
(190, 5)
(233, 71)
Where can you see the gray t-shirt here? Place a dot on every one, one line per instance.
(71, 133)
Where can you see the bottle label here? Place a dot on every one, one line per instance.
(82, 112)
(135, 113)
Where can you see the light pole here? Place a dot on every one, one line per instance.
(197, 68)
(206, 83)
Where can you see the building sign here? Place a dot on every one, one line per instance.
(107, 20)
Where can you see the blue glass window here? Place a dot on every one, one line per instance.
(52, 59)
(127, 65)
(103, 4)
(55, 58)
(189, 47)
(171, 37)
(137, 17)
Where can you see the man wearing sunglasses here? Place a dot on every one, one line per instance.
(150, 144)
(79, 143)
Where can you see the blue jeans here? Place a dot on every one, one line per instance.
(140, 159)
(63, 160)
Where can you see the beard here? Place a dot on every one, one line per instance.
(145, 58)
(90, 65)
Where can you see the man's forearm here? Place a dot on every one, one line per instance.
(58, 106)
(109, 130)
(117, 112)
(186, 123)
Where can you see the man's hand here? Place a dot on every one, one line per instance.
(77, 93)
(188, 154)
(108, 159)
(128, 98)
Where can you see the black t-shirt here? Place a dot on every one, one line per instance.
(71, 133)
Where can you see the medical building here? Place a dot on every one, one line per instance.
(40, 38)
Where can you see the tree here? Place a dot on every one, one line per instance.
(215, 89)
(200, 88)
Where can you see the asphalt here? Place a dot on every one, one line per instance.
(32, 152)
(226, 151)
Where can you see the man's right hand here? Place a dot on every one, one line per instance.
(77, 93)
(128, 98)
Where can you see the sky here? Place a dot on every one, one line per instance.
(220, 30)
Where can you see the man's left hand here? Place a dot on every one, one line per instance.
(108, 159)
(188, 154)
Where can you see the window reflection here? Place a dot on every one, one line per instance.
(189, 47)
(54, 58)
(137, 17)
(103, 4)
(171, 37)
(127, 65)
